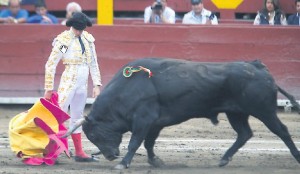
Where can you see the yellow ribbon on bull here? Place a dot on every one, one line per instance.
(28, 138)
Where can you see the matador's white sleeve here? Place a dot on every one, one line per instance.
(50, 67)
(94, 68)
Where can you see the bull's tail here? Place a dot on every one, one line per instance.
(291, 98)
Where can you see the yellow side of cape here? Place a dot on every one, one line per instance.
(25, 136)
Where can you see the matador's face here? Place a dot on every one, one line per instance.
(77, 33)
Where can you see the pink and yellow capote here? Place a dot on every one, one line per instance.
(35, 134)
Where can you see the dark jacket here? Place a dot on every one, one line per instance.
(293, 19)
(264, 17)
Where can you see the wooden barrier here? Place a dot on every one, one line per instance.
(24, 50)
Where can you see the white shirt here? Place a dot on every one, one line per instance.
(168, 13)
(192, 18)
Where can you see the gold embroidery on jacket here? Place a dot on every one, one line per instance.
(71, 59)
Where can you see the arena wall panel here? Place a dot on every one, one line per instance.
(24, 49)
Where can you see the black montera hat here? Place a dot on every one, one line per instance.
(79, 21)
(196, 1)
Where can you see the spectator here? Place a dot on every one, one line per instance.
(199, 15)
(13, 14)
(42, 16)
(159, 12)
(294, 19)
(270, 14)
(70, 9)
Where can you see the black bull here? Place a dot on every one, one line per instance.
(178, 91)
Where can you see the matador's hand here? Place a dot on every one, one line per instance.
(96, 91)
(48, 94)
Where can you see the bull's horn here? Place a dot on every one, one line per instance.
(76, 126)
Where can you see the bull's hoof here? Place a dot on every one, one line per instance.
(120, 167)
(224, 162)
(156, 162)
(297, 157)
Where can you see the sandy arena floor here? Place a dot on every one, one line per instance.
(195, 146)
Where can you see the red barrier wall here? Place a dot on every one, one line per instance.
(25, 49)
